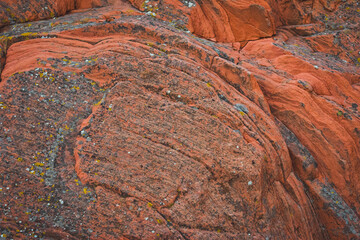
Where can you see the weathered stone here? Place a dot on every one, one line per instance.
(120, 122)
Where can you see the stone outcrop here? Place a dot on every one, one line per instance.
(21, 11)
(180, 120)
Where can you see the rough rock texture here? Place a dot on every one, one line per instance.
(162, 120)
(15, 11)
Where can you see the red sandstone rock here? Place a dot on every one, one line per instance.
(118, 123)
(12, 11)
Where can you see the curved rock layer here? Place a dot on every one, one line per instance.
(118, 123)
(223, 21)
(21, 11)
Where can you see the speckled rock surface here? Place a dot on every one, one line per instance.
(141, 120)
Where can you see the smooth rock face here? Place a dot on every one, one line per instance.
(180, 119)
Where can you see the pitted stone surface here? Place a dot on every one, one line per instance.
(177, 120)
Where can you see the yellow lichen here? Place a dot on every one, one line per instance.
(98, 103)
(27, 34)
(85, 20)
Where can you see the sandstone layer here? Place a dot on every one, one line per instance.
(179, 119)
